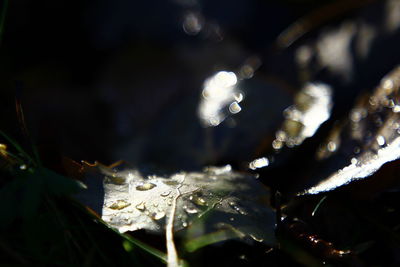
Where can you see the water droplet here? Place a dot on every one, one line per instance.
(231, 219)
(23, 167)
(372, 101)
(184, 224)
(192, 24)
(199, 201)
(141, 206)
(235, 207)
(354, 161)
(119, 205)
(191, 210)
(165, 194)
(243, 257)
(355, 115)
(246, 71)
(380, 140)
(388, 86)
(396, 109)
(241, 211)
(281, 135)
(145, 186)
(127, 220)
(158, 215)
(331, 146)
(277, 144)
(234, 107)
(259, 163)
(238, 97)
(171, 182)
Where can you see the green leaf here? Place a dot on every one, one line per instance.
(59, 185)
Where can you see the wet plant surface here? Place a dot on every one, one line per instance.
(200, 133)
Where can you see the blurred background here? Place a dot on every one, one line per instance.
(110, 80)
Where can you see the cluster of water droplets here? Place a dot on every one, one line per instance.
(220, 97)
(374, 122)
(133, 201)
(312, 107)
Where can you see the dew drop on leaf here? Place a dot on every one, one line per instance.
(158, 215)
(380, 140)
(141, 206)
(198, 200)
(191, 210)
(165, 194)
(145, 186)
(119, 205)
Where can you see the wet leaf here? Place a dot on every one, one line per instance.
(369, 138)
(215, 200)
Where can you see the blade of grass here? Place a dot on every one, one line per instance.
(67, 235)
(17, 147)
(22, 122)
(90, 237)
(12, 253)
(318, 205)
(135, 242)
(208, 239)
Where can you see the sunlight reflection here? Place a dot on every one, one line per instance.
(3, 150)
(220, 95)
(259, 163)
(312, 107)
(367, 165)
(374, 123)
(333, 50)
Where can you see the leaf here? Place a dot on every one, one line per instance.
(213, 200)
(368, 139)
